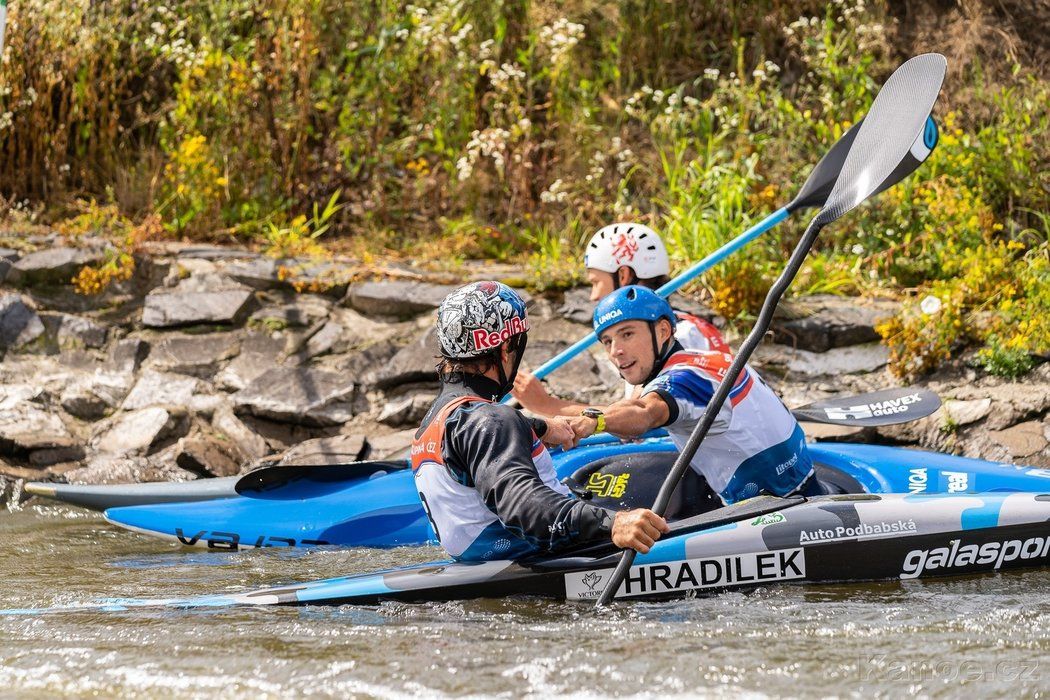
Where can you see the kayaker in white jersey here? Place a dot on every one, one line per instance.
(755, 444)
(484, 476)
(619, 255)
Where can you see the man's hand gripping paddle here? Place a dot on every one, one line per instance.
(882, 142)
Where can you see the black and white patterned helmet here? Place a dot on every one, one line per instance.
(477, 319)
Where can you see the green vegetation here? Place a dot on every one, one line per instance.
(510, 130)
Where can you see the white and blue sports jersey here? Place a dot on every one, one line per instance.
(755, 444)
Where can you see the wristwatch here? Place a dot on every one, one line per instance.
(597, 415)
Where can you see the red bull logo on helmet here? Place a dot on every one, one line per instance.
(487, 340)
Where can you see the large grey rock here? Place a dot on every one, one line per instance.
(577, 306)
(136, 431)
(821, 322)
(967, 412)
(339, 449)
(1021, 440)
(580, 379)
(298, 395)
(19, 322)
(328, 278)
(392, 445)
(259, 352)
(837, 361)
(53, 266)
(29, 431)
(91, 396)
(406, 410)
(226, 423)
(202, 299)
(160, 389)
(207, 455)
(318, 342)
(302, 311)
(75, 331)
(8, 257)
(196, 355)
(260, 273)
(127, 355)
(128, 469)
(396, 297)
(414, 362)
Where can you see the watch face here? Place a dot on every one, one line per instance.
(591, 413)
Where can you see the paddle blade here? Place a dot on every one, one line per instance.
(887, 134)
(818, 185)
(888, 407)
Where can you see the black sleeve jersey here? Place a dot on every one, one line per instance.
(490, 447)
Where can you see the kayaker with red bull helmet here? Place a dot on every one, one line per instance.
(755, 444)
(619, 255)
(483, 472)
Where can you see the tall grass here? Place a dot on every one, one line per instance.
(511, 129)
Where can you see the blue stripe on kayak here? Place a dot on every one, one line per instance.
(674, 548)
(984, 515)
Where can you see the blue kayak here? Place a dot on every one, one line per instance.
(375, 504)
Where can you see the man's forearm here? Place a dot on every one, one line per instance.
(631, 418)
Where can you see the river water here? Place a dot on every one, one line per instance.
(986, 636)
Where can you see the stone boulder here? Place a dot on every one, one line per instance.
(1023, 440)
(200, 299)
(52, 266)
(318, 340)
(195, 355)
(824, 321)
(577, 306)
(259, 352)
(392, 445)
(414, 362)
(128, 469)
(8, 257)
(298, 395)
(74, 332)
(396, 298)
(406, 410)
(127, 355)
(304, 310)
(19, 322)
(339, 449)
(160, 389)
(136, 432)
(30, 432)
(855, 359)
(207, 455)
(91, 396)
(248, 443)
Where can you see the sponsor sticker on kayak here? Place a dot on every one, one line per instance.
(862, 531)
(692, 574)
(920, 561)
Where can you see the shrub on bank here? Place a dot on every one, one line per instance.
(510, 130)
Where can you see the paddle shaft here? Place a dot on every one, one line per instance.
(765, 318)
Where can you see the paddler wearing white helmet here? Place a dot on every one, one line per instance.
(618, 255)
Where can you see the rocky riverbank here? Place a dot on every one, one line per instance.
(211, 361)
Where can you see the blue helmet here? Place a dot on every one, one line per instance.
(631, 303)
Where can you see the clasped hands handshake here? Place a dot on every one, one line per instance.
(566, 433)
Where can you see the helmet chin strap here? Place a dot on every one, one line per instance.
(517, 346)
(659, 353)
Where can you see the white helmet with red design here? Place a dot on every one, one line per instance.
(628, 245)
